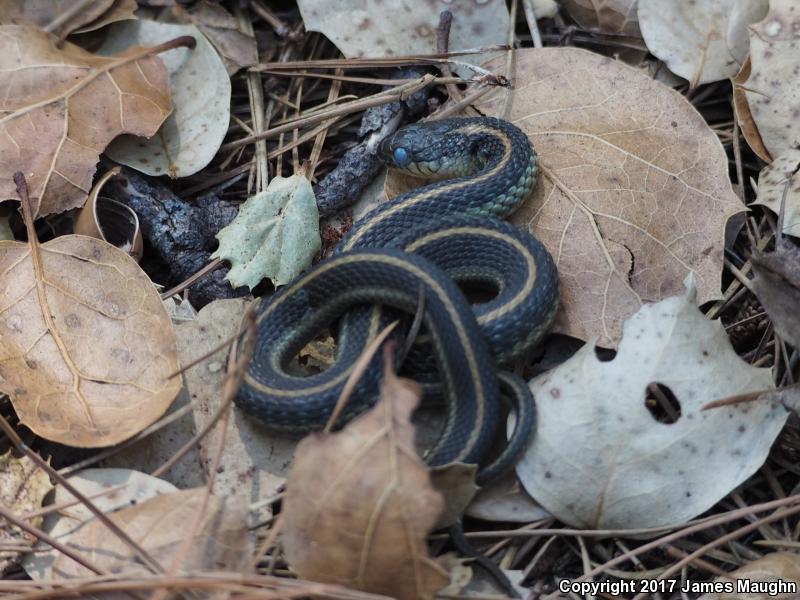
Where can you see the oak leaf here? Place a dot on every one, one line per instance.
(777, 570)
(109, 489)
(86, 346)
(275, 234)
(633, 192)
(363, 28)
(776, 283)
(237, 49)
(359, 503)
(62, 106)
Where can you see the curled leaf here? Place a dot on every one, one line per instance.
(109, 220)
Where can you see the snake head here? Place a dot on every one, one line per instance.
(440, 149)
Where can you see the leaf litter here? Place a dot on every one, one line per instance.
(87, 344)
(634, 195)
(642, 472)
(61, 108)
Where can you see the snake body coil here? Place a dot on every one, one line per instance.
(422, 243)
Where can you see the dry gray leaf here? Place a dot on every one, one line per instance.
(600, 459)
(201, 94)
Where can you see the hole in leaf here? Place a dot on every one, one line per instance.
(662, 403)
(604, 354)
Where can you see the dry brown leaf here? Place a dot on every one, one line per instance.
(109, 490)
(161, 525)
(608, 16)
(237, 49)
(777, 285)
(120, 10)
(61, 107)
(743, 115)
(86, 346)
(44, 12)
(254, 462)
(359, 503)
(633, 192)
(23, 486)
(365, 27)
(690, 36)
(777, 571)
(773, 88)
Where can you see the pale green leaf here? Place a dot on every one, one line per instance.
(275, 235)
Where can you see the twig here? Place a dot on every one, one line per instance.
(442, 47)
(384, 97)
(249, 317)
(50, 541)
(212, 266)
(692, 528)
(359, 368)
(778, 515)
(533, 25)
(255, 91)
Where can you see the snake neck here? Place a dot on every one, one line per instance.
(504, 171)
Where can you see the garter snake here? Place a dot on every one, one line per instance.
(422, 244)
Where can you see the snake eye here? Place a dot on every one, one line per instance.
(401, 157)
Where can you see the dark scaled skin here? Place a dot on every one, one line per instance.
(453, 149)
(416, 245)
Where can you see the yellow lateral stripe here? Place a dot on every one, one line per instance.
(421, 197)
(466, 344)
(530, 262)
